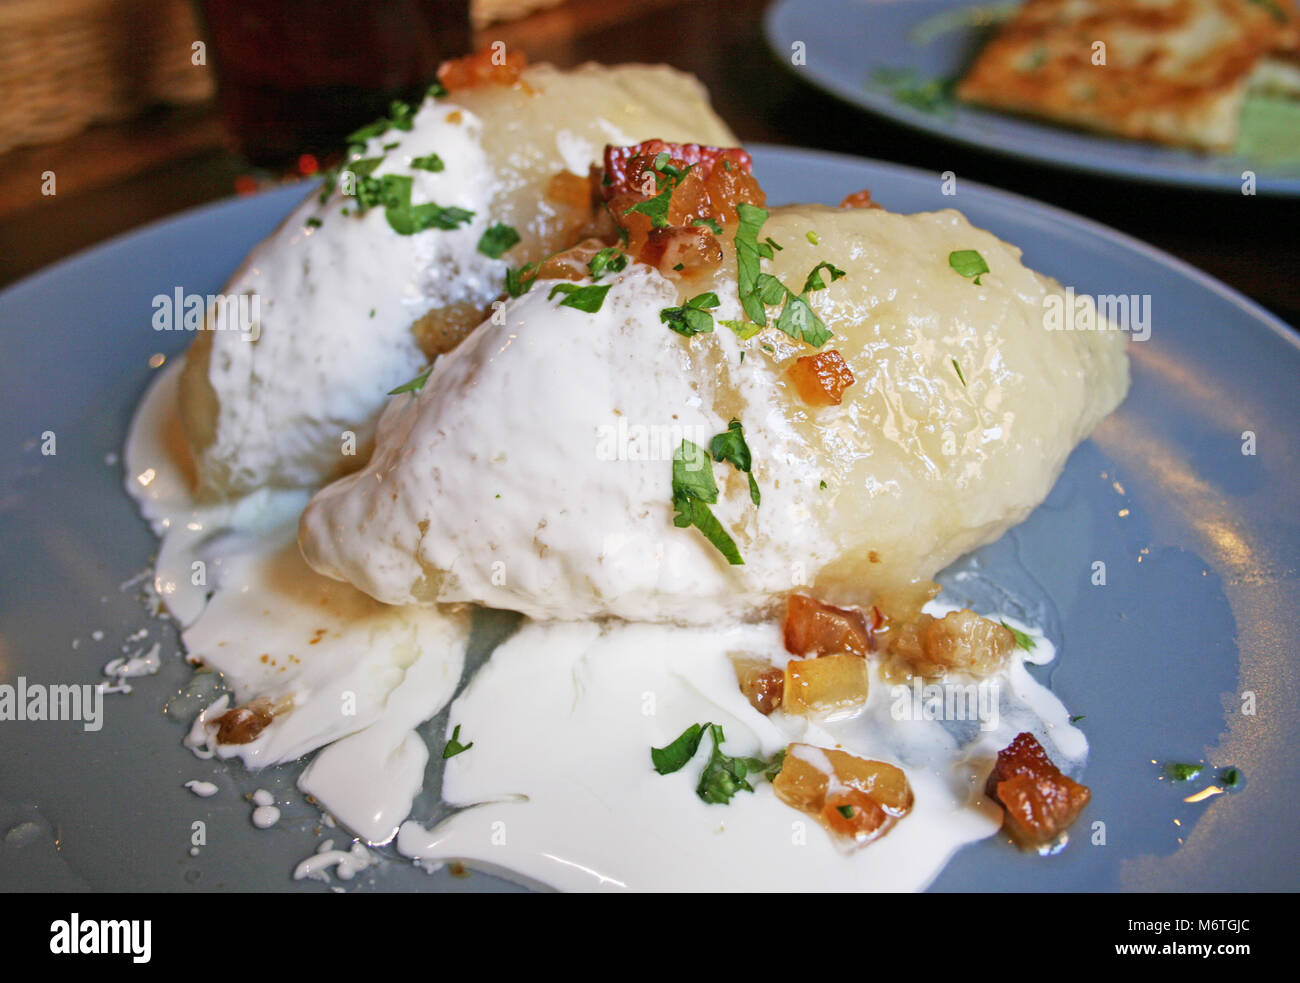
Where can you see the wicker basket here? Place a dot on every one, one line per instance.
(65, 64)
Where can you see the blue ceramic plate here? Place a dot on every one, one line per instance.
(847, 42)
(1197, 621)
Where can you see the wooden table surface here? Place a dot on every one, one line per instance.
(113, 178)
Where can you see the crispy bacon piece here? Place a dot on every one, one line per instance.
(624, 165)
(960, 641)
(706, 183)
(762, 683)
(852, 797)
(822, 378)
(1038, 802)
(859, 199)
(815, 628)
(483, 67)
(242, 725)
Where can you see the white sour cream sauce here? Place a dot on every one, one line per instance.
(558, 788)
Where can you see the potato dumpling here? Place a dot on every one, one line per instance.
(349, 308)
(538, 467)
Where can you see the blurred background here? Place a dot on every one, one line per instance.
(142, 108)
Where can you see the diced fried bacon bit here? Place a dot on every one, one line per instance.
(856, 799)
(859, 199)
(1039, 803)
(960, 641)
(829, 685)
(822, 378)
(815, 628)
(242, 725)
(683, 251)
(713, 181)
(623, 169)
(486, 67)
(762, 683)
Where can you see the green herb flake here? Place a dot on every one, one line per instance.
(1230, 777)
(656, 208)
(1077, 717)
(415, 385)
(813, 237)
(963, 381)
(744, 330)
(822, 485)
(845, 811)
(673, 757)
(436, 91)
(968, 263)
(1181, 772)
(608, 260)
(710, 224)
(454, 747)
(801, 322)
(691, 318)
(588, 298)
(750, 219)
(429, 162)
(497, 239)
(313, 223)
(815, 281)
(694, 490)
(730, 446)
(520, 281)
(1023, 641)
(724, 775)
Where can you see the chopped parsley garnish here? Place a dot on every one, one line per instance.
(415, 385)
(608, 260)
(656, 208)
(957, 368)
(1023, 641)
(723, 775)
(589, 298)
(750, 219)
(730, 446)
(429, 162)
(454, 746)
(436, 91)
(393, 193)
(519, 282)
(497, 239)
(710, 224)
(759, 290)
(1230, 777)
(968, 263)
(313, 222)
(744, 329)
(909, 87)
(694, 490)
(674, 756)
(1180, 772)
(1077, 717)
(815, 281)
(800, 322)
(392, 146)
(399, 117)
(845, 811)
(822, 485)
(693, 317)
(409, 219)
(772, 244)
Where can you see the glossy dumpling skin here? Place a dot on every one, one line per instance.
(349, 309)
(498, 483)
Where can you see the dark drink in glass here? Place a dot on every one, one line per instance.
(296, 76)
